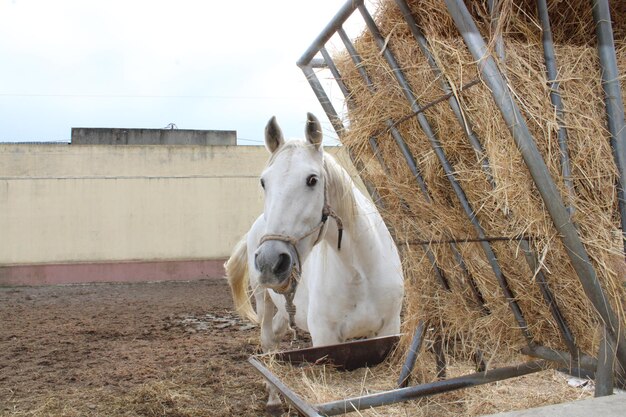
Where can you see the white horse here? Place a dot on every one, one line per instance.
(349, 292)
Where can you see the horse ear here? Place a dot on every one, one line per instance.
(313, 130)
(273, 135)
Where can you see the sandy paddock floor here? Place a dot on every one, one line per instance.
(171, 349)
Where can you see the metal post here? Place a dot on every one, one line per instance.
(342, 15)
(299, 404)
(613, 102)
(555, 97)
(606, 369)
(542, 282)
(493, 14)
(411, 357)
(538, 170)
(438, 149)
(585, 362)
(440, 357)
(423, 390)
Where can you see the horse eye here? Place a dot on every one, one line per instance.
(262, 183)
(311, 180)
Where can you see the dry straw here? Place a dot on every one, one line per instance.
(513, 207)
(318, 384)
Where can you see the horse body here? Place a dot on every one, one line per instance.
(352, 292)
(343, 294)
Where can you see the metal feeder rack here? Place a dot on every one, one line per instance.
(611, 357)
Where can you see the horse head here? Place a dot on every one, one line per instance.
(294, 186)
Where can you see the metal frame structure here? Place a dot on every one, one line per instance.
(613, 346)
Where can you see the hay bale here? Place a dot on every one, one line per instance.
(514, 207)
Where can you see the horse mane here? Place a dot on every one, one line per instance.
(340, 185)
(340, 189)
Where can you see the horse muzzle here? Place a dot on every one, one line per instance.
(274, 260)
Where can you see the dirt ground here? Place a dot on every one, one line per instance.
(152, 349)
(171, 349)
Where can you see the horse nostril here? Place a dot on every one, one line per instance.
(283, 264)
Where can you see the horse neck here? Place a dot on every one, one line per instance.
(355, 212)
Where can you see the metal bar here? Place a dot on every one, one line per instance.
(614, 107)
(485, 165)
(578, 372)
(583, 361)
(555, 97)
(436, 101)
(328, 61)
(538, 170)
(298, 403)
(479, 361)
(411, 357)
(337, 124)
(606, 369)
(470, 279)
(342, 15)
(423, 390)
(542, 282)
(469, 240)
(440, 357)
(499, 46)
(408, 157)
(317, 63)
(322, 97)
(438, 149)
(376, 150)
(332, 115)
(356, 58)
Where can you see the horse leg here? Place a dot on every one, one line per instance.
(269, 343)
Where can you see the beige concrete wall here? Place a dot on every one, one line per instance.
(94, 203)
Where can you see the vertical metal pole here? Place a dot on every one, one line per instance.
(414, 350)
(606, 366)
(493, 14)
(337, 124)
(479, 361)
(538, 170)
(449, 171)
(542, 282)
(612, 100)
(440, 357)
(555, 97)
(342, 15)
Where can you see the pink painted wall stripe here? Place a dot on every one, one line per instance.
(132, 271)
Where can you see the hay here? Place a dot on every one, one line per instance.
(514, 207)
(319, 384)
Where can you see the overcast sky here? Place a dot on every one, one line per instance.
(146, 63)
